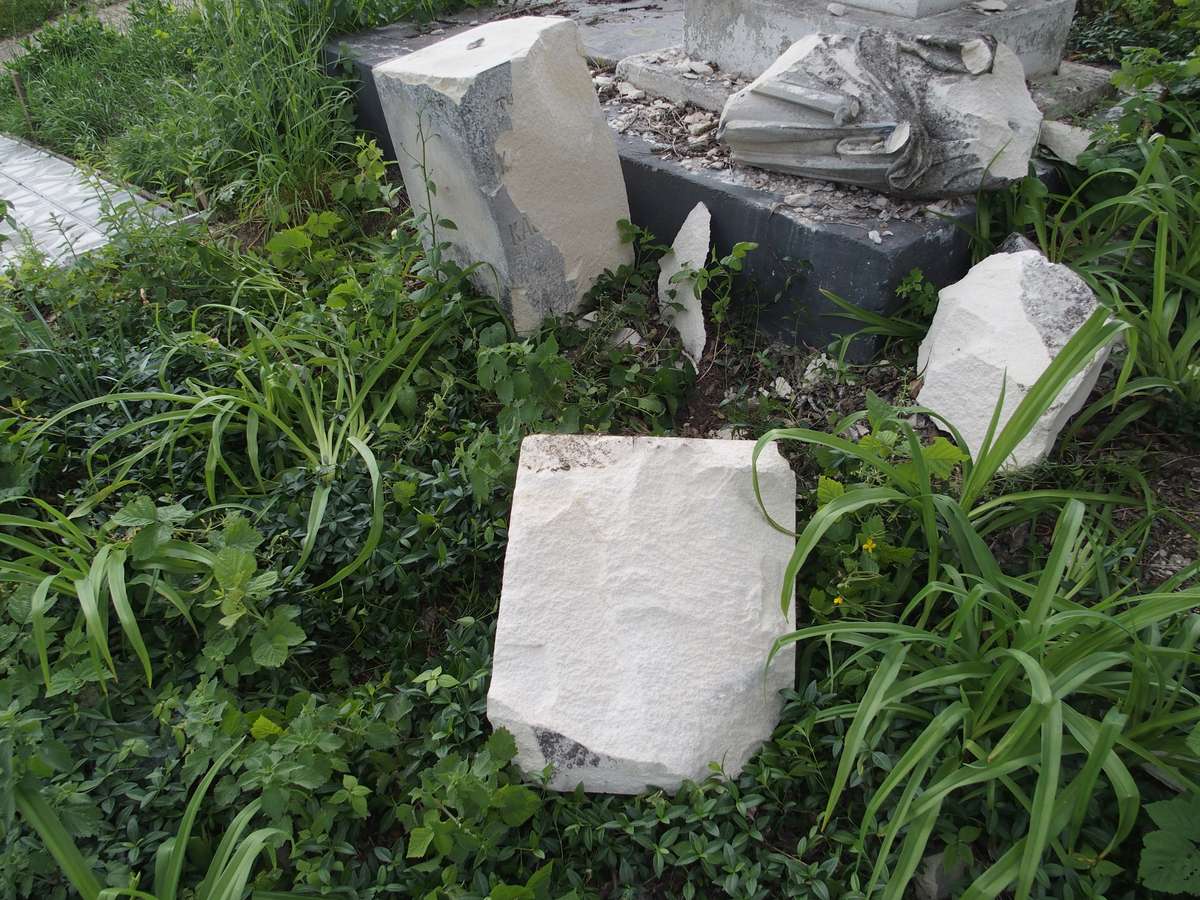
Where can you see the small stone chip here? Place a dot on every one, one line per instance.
(836, 9)
(875, 236)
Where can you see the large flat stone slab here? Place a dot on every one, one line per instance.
(745, 36)
(59, 209)
(640, 602)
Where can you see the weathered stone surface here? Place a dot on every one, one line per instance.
(1065, 141)
(1017, 243)
(504, 121)
(690, 251)
(1075, 88)
(660, 73)
(640, 600)
(1003, 325)
(920, 117)
(744, 37)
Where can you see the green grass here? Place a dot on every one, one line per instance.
(19, 17)
(255, 479)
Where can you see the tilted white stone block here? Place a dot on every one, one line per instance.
(1011, 314)
(640, 601)
(504, 122)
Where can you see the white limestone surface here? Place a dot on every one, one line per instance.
(56, 208)
(1002, 325)
(1065, 141)
(690, 252)
(502, 120)
(640, 601)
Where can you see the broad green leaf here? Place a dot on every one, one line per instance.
(138, 512)
(502, 747)
(516, 804)
(419, 840)
(828, 490)
(270, 645)
(1170, 863)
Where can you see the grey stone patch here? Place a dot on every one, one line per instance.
(60, 210)
(1017, 243)
(563, 753)
(1056, 300)
(911, 117)
(1076, 88)
(746, 36)
(660, 73)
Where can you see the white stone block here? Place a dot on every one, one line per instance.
(640, 601)
(503, 120)
(1002, 325)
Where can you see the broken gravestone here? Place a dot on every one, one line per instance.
(1002, 325)
(498, 131)
(640, 600)
(682, 307)
(909, 116)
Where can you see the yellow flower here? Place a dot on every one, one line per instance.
(869, 546)
(839, 600)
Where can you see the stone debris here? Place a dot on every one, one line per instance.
(989, 6)
(836, 9)
(1067, 142)
(640, 600)
(671, 75)
(689, 252)
(506, 117)
(875, 236)
(1073, 90)
(629, 91)
(965, 121)
(668, 127)
(1003, 324)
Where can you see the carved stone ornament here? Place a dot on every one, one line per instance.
(910, 116)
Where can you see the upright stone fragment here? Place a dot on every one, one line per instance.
(640, 601)
(503, 121)
(915, 117)
(689, 253)
(1011, 316)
